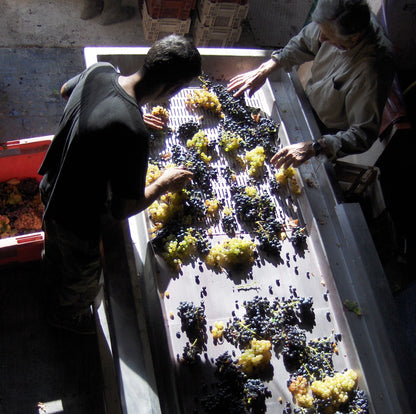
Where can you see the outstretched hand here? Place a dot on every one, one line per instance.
(293, 155)
(253, 80)
(154, 121)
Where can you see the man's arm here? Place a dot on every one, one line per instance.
(69, 85)
(364, 107)
(64, 92)
(364, 117)
(173, 179)
(301, 48)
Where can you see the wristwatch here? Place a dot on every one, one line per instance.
(317, 147)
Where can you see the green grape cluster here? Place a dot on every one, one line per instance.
(258, 355)
(162, 210)
(231, 253)
(335, 390)
(204, 99)
(217, 330)
(286, 177)
(153, 173)
(230, 141)
(254, 160)
(301, 391)
(177, 251)
(161, 112)
(330, 393)
(199, 142)
(212, 206)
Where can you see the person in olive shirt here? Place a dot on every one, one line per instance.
(96, 164)
(351, 76)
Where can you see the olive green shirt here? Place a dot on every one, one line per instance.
(348, 88)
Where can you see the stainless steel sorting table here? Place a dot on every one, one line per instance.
(340, 263)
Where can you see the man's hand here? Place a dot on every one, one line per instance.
(253, 80)
(293, 155)
(174, 178)
(154, 121)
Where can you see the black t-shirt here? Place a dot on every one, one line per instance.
(101, 144)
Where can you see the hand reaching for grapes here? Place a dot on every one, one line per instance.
(293, 155)
(174, 178)
(154, 121)
(253, 80)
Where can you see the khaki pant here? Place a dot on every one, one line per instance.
(72, 267)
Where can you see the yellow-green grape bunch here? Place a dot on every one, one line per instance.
(199, 142)
(212, 205)
(286, 176)
(336, 389)
(176, 252)
(162, 210)
(231, 253)
(153, 173)
(230, 141)
(294, 186)
(204, 99)
(254, 160)
(283, 174)
(301, 391)
(227, 211)
(251, 191)
(161, 112)
(257, 356)
(217, 330)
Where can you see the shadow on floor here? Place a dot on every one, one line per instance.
(40, 366)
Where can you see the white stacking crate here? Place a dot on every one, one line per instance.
(218, 24)
(224, 15)
(154, 29)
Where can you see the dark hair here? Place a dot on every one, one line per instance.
(171, 60)
(349, 16)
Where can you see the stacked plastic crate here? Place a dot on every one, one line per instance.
(19, 160)
(163, 17)
(218, 23)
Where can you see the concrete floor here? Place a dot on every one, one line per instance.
(48, 23)
(41, 46)
(43, 370)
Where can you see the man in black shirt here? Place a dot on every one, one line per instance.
(97, 161)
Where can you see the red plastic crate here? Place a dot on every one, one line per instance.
(175, 9)
(21, 159)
